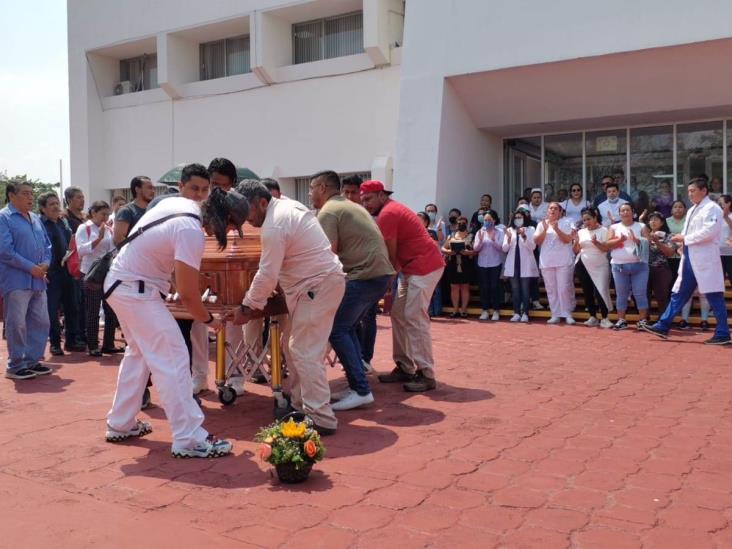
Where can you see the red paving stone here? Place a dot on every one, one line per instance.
(538, 436)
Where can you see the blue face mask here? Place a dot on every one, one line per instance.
(480, 218)
(488, 225)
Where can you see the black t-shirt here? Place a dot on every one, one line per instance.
(130, 213)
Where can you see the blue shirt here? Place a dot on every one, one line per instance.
(23, 245)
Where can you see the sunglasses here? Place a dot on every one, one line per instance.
(575, 190)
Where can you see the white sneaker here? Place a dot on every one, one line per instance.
(538, 306)
(483, 315)
(210, 448)
(496, 317)
(605, 323)
(570, 321)
(367, 368)
(591, 322)
(515, 318)
(200, 384)
(524, 317)
(237, 383)
(340, 395)
(553, 320)
(140, 429)
(353, 400)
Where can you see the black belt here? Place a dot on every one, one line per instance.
(113, 287)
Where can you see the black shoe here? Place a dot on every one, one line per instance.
(258, 377)
(57, 351)
(40, 370)
(95, 353)
(23, 373)
(454, 314)
(397, 375)
(75, 347)
(463, 315)
(112, 350)
(324, 431)
(683, 325)
(718, 340)
(704, 326)
(651, 329)
(420, 384)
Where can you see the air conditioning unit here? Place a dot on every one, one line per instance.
(123, 87)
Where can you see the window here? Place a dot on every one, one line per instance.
(699, 150)
(225, 57)
(606, 154)
(302, 185)
(141, 72)
(563, 165)
(327, 38)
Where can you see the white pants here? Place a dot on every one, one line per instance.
(154, 346)
(410, 323)
(559, 284)
(200, 347)
(311, 320)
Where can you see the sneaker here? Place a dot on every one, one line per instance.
(538, 306)
(570, 321)
(353, 400)
(200, 384)
(620, 325)
(420, 384)
(75, 347)
(340, 395)
(140, 429)
(515, 318)
(367, 368)
(553, 320)
(524, 317)
(397, 375)
(642, 323)
(237, 383)
(718, 340)
(23, 373)
(591, 322)
(210, 448)
(454, 314)
(113, 350)
(704, 326)
(606, 323)
(496, 316)
(56, 350)
(96, 353)
(483, 315)
(463, 315)
(683, 325)
(40, 370)
(651, 329)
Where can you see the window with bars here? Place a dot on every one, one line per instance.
(327, 38)
(141, 72)
(225, 57)
(302, 185)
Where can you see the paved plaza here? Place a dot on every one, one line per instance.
(538, 436)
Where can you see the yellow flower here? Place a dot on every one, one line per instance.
(290, 429)
(269, 440)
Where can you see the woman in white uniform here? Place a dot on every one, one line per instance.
(574, 205)
(592, 267)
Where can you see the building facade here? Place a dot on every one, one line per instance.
(483, 96)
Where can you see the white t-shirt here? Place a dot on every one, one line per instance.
(554, 252)
(572, 211)
(151, 257)
(588, 251)
(628, 252)
(538, 213)
(607, 208)
(86, 234)
(724, 248)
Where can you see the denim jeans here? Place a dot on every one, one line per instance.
(436, 302)
(26, 327)
(359, 297)
(521, 294)
(678, 299)
(61, 291)
(366, 333)
(489, 279)
(630, 277)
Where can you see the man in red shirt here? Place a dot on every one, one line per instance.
(413, 254)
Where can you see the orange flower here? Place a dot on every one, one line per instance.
(265, 450)
(310, 448)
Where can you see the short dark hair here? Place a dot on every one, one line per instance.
(193, 170)
(45, 197)
(224, 166)
(330, 178)
(433, 205)
(658, 215)
(252, 189)
(606, 177)
(354, 180)
(494, 215)
(98, 205)
(271, 184)
(700, 183)
(592, 212)
(70, 193)
(456, 210)
(703, 176)
(489, 197)
(612, 184)
(632, 207)
(14, 188)
(136, 183)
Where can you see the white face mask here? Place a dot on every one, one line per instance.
(518, 222)
(432, 216)
(612, 200)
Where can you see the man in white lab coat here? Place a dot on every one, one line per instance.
(700, 265)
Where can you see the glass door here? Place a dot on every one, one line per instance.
(523, 170)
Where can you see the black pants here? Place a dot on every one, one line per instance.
(61, 292)
(727, 266)
(593, 299)
(660, 281)
(93, 299)
(489, 279)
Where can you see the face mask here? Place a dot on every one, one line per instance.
(612, 200)
(489, 225)
(481, 217)
(462, 227)
(453, 219)
(432, 216)
(518, 222)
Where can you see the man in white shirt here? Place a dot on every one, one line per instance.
(537, 207)
(610, 208)
(137, 279)
(297, 254)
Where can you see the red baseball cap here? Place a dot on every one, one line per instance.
(373, 186)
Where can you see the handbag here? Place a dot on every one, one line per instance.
(72, 261)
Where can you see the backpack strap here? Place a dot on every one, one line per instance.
(152, 224)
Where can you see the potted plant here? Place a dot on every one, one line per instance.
(292, 447)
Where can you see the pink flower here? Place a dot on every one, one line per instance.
(265, 450)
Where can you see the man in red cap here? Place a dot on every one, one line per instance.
(413, 254)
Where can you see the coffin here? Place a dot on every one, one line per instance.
(227, 274)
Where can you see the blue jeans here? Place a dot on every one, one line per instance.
(366, 333)
(679, 299)
(61, 291)
(436, 302)
(521, 294)
(359, 297)
(631, 277)
(26, 327)
(489, 279)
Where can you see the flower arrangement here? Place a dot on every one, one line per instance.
(291, 446)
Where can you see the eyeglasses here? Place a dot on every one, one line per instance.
(576, 190)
